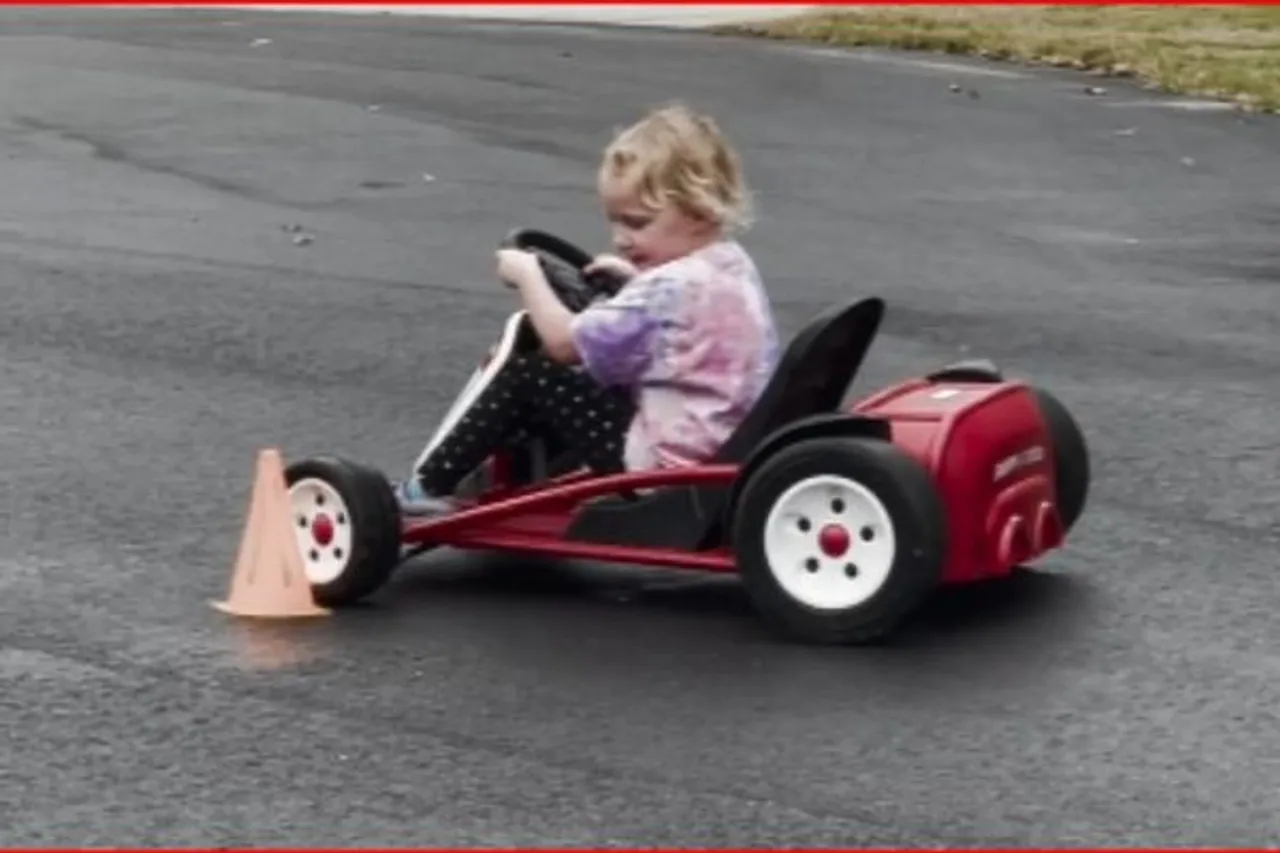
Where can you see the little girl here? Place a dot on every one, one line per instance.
(662, 373)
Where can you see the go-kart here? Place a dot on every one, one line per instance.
(838, 517)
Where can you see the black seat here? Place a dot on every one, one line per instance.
(811, 378)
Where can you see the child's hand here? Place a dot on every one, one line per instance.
(611, 265)
(516, 266)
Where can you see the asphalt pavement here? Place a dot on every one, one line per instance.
(223, 230)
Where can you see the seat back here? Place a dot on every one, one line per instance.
(812, 376)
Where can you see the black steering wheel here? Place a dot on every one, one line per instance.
(562, 263)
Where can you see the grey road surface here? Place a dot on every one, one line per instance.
(162, 321)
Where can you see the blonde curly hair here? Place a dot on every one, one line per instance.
(675, 155)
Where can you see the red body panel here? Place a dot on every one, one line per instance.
(987, 448)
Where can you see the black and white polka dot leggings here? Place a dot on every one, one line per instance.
(541, 397)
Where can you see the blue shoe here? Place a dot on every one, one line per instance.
(414, 501)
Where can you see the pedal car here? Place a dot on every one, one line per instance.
(838, 517)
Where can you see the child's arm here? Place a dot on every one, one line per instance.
(612, 339)
(547, 313)
(615, 338)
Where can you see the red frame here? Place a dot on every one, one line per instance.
(533, 520)
(962, 432)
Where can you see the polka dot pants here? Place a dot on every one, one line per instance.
(534, 395)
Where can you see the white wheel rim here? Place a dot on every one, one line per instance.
(322, 527)
(803, 535)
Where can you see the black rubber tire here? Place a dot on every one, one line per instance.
(374, 516)
(915, 510)
(1071, 458)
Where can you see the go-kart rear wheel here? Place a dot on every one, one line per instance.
(838, 539)
(1071, 457)
(347, 524)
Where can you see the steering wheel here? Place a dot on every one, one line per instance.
(562, 263)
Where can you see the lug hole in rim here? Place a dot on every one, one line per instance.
(837, 506)
(851, 570)
(867, 534)
(811, 564)
(337, 553)
(314, 555)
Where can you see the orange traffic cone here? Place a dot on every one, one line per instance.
(269, 580)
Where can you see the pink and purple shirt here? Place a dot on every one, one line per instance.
(695, 341)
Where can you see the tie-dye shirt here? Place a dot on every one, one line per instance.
(695, 341)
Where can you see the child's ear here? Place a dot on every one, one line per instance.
(709, 221)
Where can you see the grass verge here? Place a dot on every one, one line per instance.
(1230, 53)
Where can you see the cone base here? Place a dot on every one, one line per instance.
(262, 612)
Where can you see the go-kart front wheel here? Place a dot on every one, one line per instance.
(838, 539)
(347, 525)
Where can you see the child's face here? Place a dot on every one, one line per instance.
(648, 237)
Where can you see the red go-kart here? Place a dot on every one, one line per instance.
(838, 517)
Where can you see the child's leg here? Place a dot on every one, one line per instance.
(540, 396)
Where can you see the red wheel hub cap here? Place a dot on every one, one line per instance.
(833, 539)
(322, 530)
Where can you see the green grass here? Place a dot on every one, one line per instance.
(1229, 53)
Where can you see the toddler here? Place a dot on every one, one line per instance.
(662, 373)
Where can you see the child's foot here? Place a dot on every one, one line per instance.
(414, 501)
